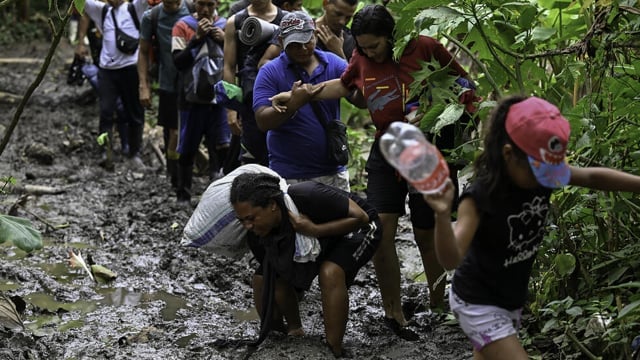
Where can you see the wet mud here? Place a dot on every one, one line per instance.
(167, 302)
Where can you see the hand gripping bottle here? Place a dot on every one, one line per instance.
(416, 159)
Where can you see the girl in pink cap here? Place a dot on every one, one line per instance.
(501, 219)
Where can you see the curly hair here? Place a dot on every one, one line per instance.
(258, 189)
(490, 168)
(374, 20)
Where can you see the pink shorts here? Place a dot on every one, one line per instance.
(484, 324)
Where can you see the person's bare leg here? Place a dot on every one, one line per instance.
(387, 269)
(508, 348)
(287, 304)
(257, 285)
(335, 304)
(432, 268)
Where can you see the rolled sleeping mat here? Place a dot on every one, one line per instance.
(256, 31)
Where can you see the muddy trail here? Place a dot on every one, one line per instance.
(167, 302)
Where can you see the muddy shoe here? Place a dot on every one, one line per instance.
(106, 161)
(402, 331)
(135, 163)
(183, 197)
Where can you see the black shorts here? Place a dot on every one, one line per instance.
(387, 191)
(353, 251)
(167, 109)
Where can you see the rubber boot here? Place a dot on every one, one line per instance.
(123, 132)
(135, 147)
(170, 137)
(232, 160)
(215, 161)
(106, 151)
(185, 177)
(172, 171)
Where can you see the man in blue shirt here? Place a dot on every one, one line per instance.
(296, 140)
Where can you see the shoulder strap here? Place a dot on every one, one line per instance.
(155, 14)
(240, 17)
(105, 8)
(314, 105)
(191, 21)
(134, 16)
(132, 12)
(220, 22)
(115, 23)
(279, 15)
(190, 5)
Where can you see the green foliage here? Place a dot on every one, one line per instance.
(20, 232)
(13, 31)
(17, 230)
(79, 5)
(360, 140)
(582, 56)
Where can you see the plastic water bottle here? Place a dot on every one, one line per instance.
(416, 159)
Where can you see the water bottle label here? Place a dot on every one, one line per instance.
(434, 182)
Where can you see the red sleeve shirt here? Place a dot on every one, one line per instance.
(385, 86)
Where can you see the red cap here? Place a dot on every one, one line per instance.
(539, 129)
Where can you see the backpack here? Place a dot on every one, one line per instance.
(154, 67)
(207, 69)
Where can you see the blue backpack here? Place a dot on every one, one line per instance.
(198, 81)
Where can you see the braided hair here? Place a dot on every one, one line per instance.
(259, 189)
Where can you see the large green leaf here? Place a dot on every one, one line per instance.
(20, 232)
(629, 309)
(449, 116)
(555, 4)
(565, 263)
(79, 4)
(542, 34)
(445, 16)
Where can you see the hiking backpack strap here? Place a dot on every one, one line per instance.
(190, 5)
(191, 21)
(155, 14)
(105, 9)
(239, 18)
(132, 12)
(134, 16)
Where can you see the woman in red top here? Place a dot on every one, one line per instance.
(384, 83)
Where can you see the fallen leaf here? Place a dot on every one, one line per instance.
(9, 316)
(77, 261)
(103, 274)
